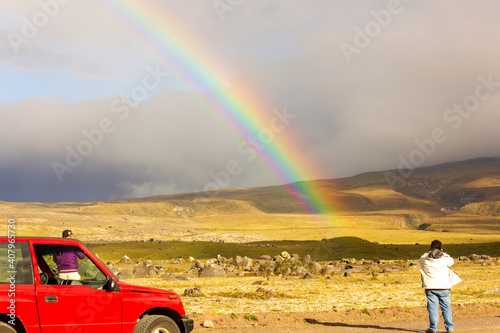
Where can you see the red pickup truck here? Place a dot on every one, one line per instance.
(34, 299)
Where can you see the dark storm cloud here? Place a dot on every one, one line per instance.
(419, 84)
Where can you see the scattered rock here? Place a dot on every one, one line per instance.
(308, 276)
(193, 292)
(125, 259)
(390, 269)
(495, 290)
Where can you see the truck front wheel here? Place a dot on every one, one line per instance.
(6, 328)
(156, 324)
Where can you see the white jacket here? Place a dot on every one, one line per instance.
(436, 272)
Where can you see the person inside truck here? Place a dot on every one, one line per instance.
(66, 259)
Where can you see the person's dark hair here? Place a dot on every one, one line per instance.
(436, 245)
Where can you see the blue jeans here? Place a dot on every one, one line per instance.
(439, 298)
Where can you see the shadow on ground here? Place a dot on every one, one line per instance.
(315, 322)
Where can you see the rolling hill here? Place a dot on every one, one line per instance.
(458, 202)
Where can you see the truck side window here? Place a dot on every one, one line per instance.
(68, 265)
(15, 263)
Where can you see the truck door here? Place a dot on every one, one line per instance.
(17, 286)
(79, 306)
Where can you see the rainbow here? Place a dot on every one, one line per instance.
(243, 113)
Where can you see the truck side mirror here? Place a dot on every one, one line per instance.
(110, 284)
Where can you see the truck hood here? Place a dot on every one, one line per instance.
(128, 287)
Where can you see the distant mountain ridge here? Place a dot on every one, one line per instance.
(471, 186)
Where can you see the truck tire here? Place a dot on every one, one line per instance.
(156, 324)
(6, 328)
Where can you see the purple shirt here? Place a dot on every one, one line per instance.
(66, 258)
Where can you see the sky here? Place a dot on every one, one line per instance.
(105, 100)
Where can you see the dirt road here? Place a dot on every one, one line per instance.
(473, 325)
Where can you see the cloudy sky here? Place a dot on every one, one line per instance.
(115, 99)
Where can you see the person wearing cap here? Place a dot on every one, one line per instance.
(66, 259)
(436, 280)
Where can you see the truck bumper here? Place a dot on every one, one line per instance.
(188, 324)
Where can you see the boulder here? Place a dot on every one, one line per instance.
(330, 269)
(221, 260)
(212, 271)
(315, 267)
(350, 261)
(475, 257)
(246, 263)
(286, 255)
(143, 271)
(279, 259)
(211, 262)
(299, 271)
(238, 260)
(126, 274)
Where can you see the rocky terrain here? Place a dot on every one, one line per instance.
(266, 265)
(288, 291)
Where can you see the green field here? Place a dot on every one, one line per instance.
(326, 250)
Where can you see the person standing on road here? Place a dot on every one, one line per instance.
(437, 283)
(66, 259)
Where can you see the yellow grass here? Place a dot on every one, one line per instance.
(93, 223)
